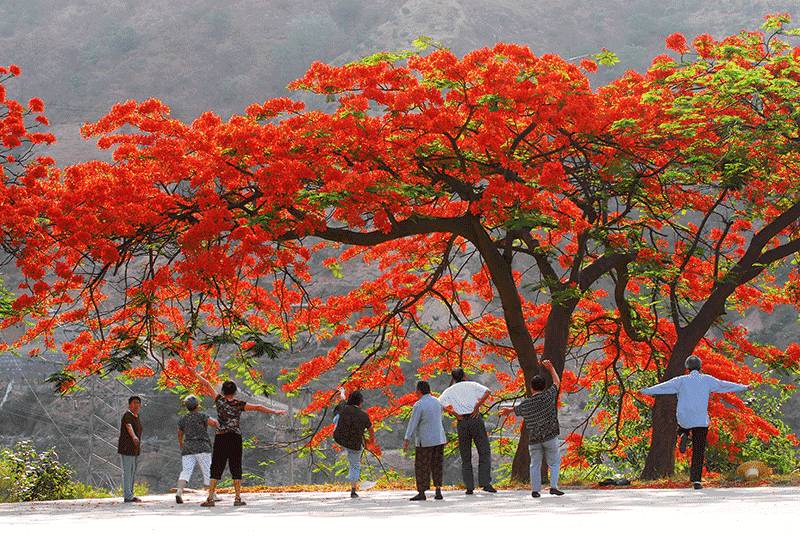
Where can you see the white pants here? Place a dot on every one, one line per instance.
(188, 461)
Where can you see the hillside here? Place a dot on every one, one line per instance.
(84, 55)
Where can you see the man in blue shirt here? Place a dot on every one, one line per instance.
(693, 391)
(426, 425)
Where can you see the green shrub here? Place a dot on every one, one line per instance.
(139, 489)
(28, 475)
(85, 491)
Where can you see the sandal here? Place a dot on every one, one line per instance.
(207, 503)
(239, 502)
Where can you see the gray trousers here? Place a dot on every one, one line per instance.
(128, 475)
(549, 450)
(471, 429)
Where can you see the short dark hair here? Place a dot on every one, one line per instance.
(693, 363)
(134, 397)
(228, 388)
(355, 398)
(457, 374)
(424, 387)
(537, 383)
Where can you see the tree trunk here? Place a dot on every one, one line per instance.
(520, 466)
(521, 340)
(661, 456)
(660, 460)
(556, 335)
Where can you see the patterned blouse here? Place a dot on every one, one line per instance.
(229, 412)
(541, 415)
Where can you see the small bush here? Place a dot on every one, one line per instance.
(139, 489)
(85, 491)
(28, 475)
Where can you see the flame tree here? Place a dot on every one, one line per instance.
(500, 188)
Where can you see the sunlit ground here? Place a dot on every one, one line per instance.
(620, 511)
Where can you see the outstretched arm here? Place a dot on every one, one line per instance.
(722, 386)
(263, 409)
(669, 387)
(506, 411)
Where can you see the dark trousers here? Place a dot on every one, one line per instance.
(428, 463)
(698, 451)
(227, 450)
(471, 429)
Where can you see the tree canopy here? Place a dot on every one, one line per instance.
(606, 229)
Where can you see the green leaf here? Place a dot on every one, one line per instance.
(423, 42)
(623, 124)
(776, 22)
(606, 58)
(336, 270)
(61, 380)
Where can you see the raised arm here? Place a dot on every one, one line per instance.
(669, 387)
(552, 370)
(205, 385)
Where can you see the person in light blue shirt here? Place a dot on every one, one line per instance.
(693, 391)
(426, 425)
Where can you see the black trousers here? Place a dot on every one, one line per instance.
(227, 450)
(698, 436)
(472, 430)
(428, 462)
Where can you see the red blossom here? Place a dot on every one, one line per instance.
(677, 42)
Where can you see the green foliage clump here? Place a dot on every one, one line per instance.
(29, 475)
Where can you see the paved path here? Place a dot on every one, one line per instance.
(619, 512)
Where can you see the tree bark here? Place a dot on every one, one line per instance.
(660, 460)
(521, 340)
(556, 334)
(661, 456)
(520, 473)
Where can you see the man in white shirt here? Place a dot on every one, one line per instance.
(463, 399)
(694, 390)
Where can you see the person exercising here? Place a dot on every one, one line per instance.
(693, 391)
(227, 448)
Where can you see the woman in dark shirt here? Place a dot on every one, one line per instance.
(228, 440)
(351, 423)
